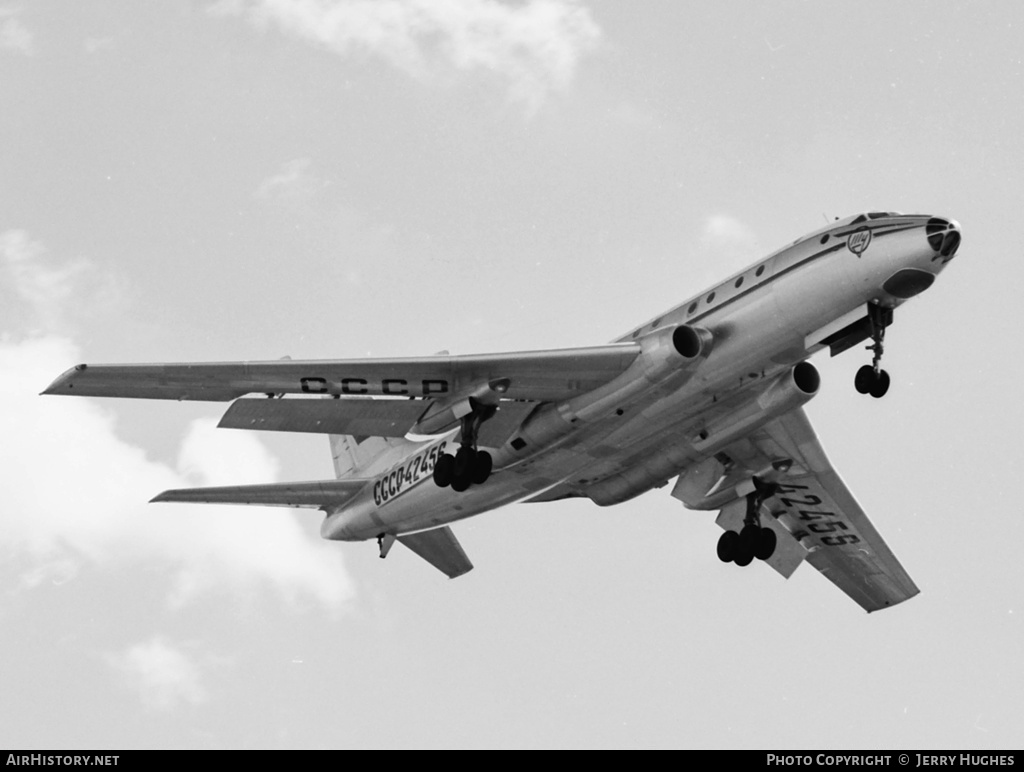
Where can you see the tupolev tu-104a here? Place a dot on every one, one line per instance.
(710, 392)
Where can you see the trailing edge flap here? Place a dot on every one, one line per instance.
(321, 494)
(359, 417)
(441, 549)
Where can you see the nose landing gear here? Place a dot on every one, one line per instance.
(872, 379)
(753, 541)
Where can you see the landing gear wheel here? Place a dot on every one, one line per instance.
(880, 385)
(463, 458)
(480, 467)
(872, 379)
(744, 554)
(747, 547)
(728, 543)
(865, 379)
(462, 469)
(766, 541)
(444, 470)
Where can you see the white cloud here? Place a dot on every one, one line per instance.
(534, 46)
(15, 36)
(44, 288)
(294, 181)
(92, 45)
(725, 244)
(163, 675)
(723, 232)
(75, 493)
(727, 238)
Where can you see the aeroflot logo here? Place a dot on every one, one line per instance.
(858, 241)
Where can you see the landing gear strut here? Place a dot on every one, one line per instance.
(872, 379)
(753, 541)
(469, 466)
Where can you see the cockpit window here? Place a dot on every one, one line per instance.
(862, 218)
(877, 215)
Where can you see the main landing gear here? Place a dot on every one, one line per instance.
(753, 541)
(872, 379)
(468, 466)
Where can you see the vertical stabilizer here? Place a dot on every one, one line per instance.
(353, 455)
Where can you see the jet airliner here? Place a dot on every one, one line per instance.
(709, 393)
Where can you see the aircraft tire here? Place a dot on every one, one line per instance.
(727, 544)
(766, 542)
(880, 385)
(864, 379)
(744, 555)
(444, 470)
(463, 461)
(746, 546)
(480, 467)
(460, 483)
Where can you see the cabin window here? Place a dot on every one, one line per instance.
(759, 271)
(692, 308)
(711, 297)
(739, 281)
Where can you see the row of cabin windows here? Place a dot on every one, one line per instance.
(709, 300)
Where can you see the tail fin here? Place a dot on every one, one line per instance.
(353, 455)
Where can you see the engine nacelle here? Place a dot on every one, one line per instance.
(443, 415)
(790, 390)
(667, 353)
(793, 388)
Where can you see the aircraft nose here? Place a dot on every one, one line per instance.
(943, 237)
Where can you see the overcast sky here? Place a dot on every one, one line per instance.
(251, 179)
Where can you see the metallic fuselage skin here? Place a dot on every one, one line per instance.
(763, 321)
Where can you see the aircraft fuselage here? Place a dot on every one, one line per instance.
(758, 324)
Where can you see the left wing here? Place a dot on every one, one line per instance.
(821, 512)
(529, 375)
(813, 513)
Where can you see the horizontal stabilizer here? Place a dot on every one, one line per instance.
(359, 417)
(322, 494)
(441, 549)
